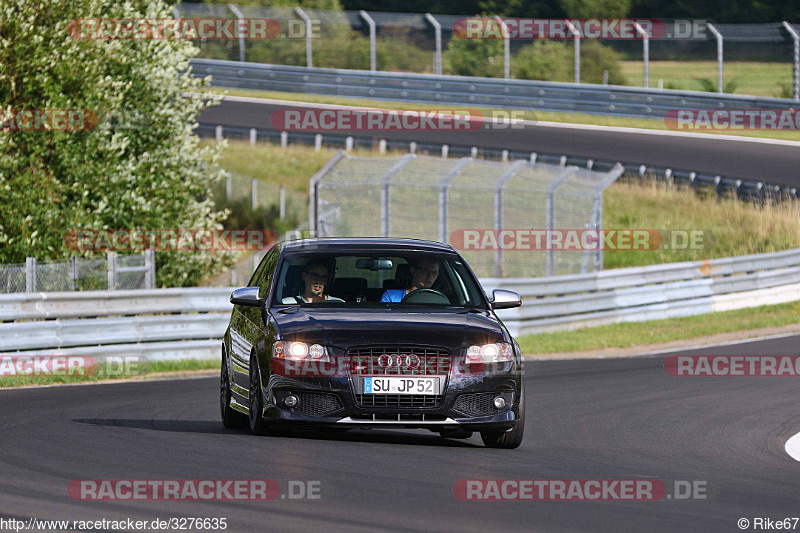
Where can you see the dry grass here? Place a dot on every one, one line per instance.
(731, 227)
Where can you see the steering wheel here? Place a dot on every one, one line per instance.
(425, 296)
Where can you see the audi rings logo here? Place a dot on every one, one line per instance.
(398, 361)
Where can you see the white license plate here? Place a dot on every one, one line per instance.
(401, 385)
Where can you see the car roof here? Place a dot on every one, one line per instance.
(365, 244)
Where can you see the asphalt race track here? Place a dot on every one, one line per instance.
(775, 163)
(602, 419)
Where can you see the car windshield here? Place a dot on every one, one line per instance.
(426, 279)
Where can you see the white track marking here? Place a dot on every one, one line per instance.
(792, 447)
(562, 125)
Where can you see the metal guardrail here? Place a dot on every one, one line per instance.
(651, 292)
(188, 323)
(483, 92)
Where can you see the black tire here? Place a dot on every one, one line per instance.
(258, 424)
(231, 418)
(506, 439)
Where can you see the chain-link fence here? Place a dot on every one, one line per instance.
(757, 59)
(471, 204)
(113, 272)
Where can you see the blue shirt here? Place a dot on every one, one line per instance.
(393, 295)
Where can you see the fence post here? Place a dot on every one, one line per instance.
(282, 196)
(498, 211)
(317, 142)
(284, 139)
(550, 216)
(437, 58)
(444, 200)
(111, 262)
(254, 193)
(253, 136)
(30, 274)
(228, 186)
(386, 217)
(796, 57)
(314, 201)
(372, 62)
(577, 37)
(646, 50)
(307, 20)
(242, 30)
(218, 133)
(718, 35)
(73, 272)
(506, 47)
(150, 273)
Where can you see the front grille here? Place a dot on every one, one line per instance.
(398, 400)
(383, 361)
(316, 404)
(476, 404)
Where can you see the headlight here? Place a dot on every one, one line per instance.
(299, 351)
(500, 352)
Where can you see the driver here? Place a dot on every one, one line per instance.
(423, 274)
(315, 277)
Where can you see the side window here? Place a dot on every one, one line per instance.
(262, 277)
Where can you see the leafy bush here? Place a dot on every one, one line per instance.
(473, 57)
(555, 61)
(151, 174)
(710, 86)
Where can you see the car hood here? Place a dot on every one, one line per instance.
(345, 327)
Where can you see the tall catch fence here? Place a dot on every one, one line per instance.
(465, 202)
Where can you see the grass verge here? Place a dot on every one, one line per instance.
(539, 116)
(631, 334)
(140, 371)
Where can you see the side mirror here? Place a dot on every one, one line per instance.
(246, 296)
(502, 299)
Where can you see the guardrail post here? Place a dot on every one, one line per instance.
(550, 217)
(372, 62)
(348, 144)
(445, 151)
(437, 58)
(317, 142)
(111, 263)
(444, 200)
(150, 272)
(284, 139)
(498, 211)
(577, 37)
(30, 274)
(718, 36)
(386, 200)
(646, 53)
(796, 57)
(218, 133)
(253, 136)
(307, 20)
(506, 47)
(242, 30)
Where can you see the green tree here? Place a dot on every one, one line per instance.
(555, 61)
(596, 8)
(146, 171)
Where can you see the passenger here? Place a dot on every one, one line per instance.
(316, 276)
(423, 276)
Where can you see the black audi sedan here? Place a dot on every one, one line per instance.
(343, 333)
